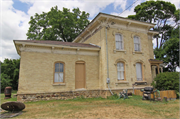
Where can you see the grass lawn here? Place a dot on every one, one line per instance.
(134, 107)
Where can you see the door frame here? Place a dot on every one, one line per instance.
(81, 61)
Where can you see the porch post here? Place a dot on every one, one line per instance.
(158, 69)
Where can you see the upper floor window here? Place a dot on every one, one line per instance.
(120, 71)
(136, 43)
(119, 42)
(59, 72)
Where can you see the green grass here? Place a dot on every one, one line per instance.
(10, 99)
(99, 108)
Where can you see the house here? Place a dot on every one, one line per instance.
(111, 54)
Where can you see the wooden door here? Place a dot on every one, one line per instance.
(80, 75)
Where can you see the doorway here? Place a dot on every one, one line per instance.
(80, 75)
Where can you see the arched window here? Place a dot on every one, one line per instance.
(59, 72)
(139, 71)
(120, 71)
(119, 42)
(136, 43)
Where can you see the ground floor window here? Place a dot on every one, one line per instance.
(59, 72)
(139, 71)
(120, 71)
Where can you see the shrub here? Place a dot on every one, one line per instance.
(115, 96)
(167, 81)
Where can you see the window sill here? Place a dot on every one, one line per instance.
(59, 84)
(120, 51)
(122, 82)
(138, 52)
(140, 83)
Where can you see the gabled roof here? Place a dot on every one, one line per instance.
(59, 43)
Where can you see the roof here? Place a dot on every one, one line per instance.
(155, 61)
(59, 43)
(113, 17)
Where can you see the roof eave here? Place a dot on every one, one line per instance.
(55, 46)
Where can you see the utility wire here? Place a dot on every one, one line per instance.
(128, 7)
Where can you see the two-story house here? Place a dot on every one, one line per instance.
(111, 54)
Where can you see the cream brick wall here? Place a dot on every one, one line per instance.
(128, 55)
(99, 39)
(36, 72)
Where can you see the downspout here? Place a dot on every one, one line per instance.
(108, 79)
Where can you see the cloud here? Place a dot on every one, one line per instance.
(10, 29)
(120, 3)
(129, 11)
(91, 6)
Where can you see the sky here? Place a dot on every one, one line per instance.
(15, 15)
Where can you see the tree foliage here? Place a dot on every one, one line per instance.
(10, 73)
(160, 13)
(169, 52)
(167, 81)
(57, 25)
(5, 81)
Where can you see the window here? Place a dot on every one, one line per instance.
(136, 43)
(139, 71)
(120, 71)
(119, 42)
(59, 73)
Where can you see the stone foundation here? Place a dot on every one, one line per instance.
(66, 95)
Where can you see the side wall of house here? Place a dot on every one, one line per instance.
(37, 72)
(99, 39)
(129, 57)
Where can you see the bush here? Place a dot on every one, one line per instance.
(115, 96)
(167, 81)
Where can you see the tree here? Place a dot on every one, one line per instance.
(158, 12)
(5, 81)
(57, 25)
(169, 52)
(10, 73)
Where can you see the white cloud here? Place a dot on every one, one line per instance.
(11, 29)
(129, 11)
(91, 6)
(120, 3)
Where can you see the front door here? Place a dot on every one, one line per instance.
(80, 75)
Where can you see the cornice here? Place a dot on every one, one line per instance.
(106, 20)
(120, 27)
(59, 49)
